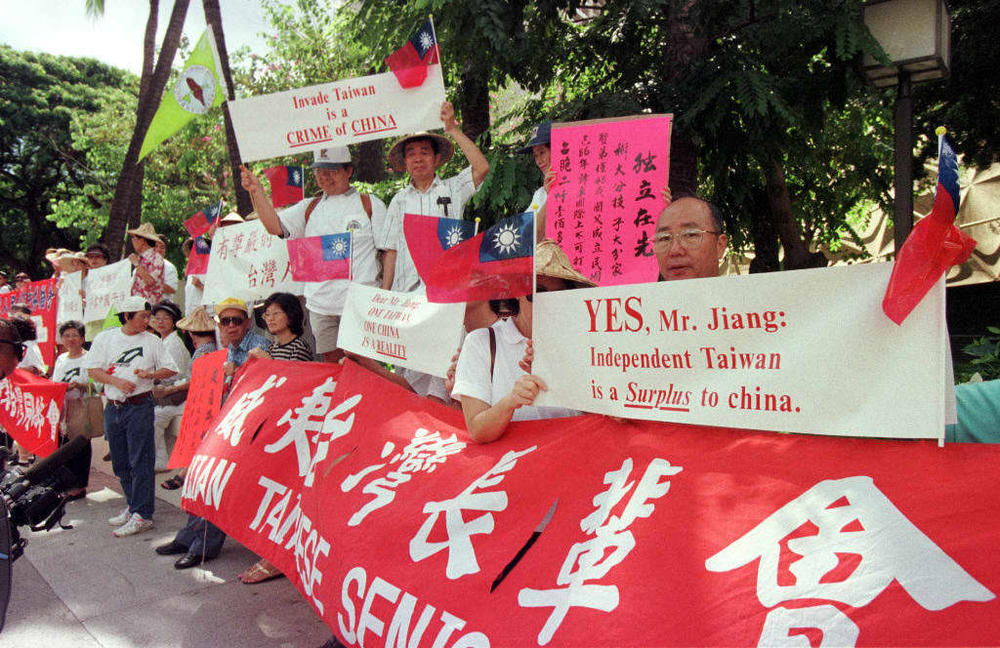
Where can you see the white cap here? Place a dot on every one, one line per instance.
(331, 158)
(133, 304)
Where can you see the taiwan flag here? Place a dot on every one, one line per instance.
(320, 258)
(409, 63)
(495, 264)
(198, 259)
(286, 184)
(934, 245)
(427, 237)
(203, 220)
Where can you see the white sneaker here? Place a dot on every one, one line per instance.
(135, 524)
(121, 518)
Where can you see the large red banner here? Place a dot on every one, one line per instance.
(42, 298)
(30, 409)
(592, 531)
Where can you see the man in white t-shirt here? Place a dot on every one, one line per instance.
(127, 360)
(337, 208)
(421, 154)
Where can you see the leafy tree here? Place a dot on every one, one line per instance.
(40, 95)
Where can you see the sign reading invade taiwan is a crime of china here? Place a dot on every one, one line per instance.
(590, 531)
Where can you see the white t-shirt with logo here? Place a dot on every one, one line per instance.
(70, 370)
(121, 355)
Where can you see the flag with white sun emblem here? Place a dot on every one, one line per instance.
(427, 238)
(286, 185)
(320, 258)
(409, 63)
(496, 264)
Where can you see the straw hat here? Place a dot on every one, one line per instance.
(231, 302)
(146, 231)
(551, 261)
(443, 146)
(198, 321)
(231, 217)
(54, 256)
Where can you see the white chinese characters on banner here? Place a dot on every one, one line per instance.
(107, 286)
(422, 454)
(854, 518)
(338, 113)
(744, 352)
(31, 412)
(247, 263)
(589, 560)
(231, 426)
(461, 553)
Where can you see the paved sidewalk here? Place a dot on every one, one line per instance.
(84, 588)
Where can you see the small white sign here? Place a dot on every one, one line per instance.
(247, 263)
(107, 286)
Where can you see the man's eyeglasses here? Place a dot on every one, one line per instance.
(232, 321)
(689, 238)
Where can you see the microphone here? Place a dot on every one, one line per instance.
(444, 201)
(56, 462)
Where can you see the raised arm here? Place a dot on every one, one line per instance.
(480, 166)
(262, 203)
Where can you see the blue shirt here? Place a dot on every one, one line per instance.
(238, 353)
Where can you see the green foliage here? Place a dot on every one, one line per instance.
(985, 358)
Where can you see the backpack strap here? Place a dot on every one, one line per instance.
(366, 203)
(493, 350)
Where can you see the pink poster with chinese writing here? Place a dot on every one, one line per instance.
(610, 177)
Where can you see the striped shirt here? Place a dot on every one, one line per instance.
(297, 349)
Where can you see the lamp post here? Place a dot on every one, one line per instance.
(916, 37)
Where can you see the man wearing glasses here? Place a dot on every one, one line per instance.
(234, 325)
(689, 241)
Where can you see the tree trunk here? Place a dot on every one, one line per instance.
(371, 161)
(764, 235)
(797, 254)
(213, 18)
(126, 208)
(683, 179)
(474, 101)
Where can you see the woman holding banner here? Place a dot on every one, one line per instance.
(493, 389)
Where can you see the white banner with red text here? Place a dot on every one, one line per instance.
(800, 351)
(403, 329)
(70, 303)
(247, 263)
(590, 531)
(337, 113)
(30, 409)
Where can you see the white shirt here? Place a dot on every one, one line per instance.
(458, 188)
(70, 370)
(170, 276)
(121, 355)
(5, 288)
(335, 214)
(174, 346)
(472, 375)
(192, 296)
(537, 200)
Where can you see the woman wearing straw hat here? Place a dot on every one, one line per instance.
(493, 389)
(149, 270)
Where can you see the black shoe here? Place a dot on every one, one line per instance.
(190, 560)
(172, 548)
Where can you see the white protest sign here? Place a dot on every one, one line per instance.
(401, 328)
(70, 304)
(330, 114)
(107, 286)
(801, 351)
(247, 263)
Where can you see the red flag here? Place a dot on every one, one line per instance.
(934, 245)
(427, 238)
(286, 184)
(320, 258)
(198, 259)
(42, 298)
(409, 63)
(496, 264)
(208, 381)
(32, 407)
(202, 221)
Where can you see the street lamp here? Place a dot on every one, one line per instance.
(916, 37)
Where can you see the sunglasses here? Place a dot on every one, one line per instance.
(232, 321)
(531, 296)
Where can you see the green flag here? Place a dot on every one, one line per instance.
(111, 319)
(199, 87)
